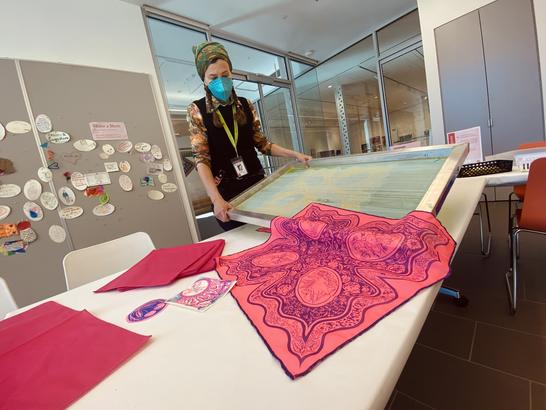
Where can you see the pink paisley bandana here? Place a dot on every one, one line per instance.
(327, 275)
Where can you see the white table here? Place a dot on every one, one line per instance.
(513, 177)
(216, 359)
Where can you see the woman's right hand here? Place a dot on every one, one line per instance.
(221, 209)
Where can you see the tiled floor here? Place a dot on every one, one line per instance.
(481, 356)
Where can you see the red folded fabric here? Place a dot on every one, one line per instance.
(163, 266)
(51, 355)
(327, 275)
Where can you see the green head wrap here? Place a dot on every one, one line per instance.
(205, 53)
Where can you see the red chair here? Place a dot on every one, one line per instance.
(519, 190)
(530, 218)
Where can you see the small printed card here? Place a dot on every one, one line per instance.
(202, 294)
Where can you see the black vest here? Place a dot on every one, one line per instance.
(220, 148)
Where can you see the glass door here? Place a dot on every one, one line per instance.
(406, 99)
(274, 108)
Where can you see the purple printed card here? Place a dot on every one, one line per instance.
(202, 294)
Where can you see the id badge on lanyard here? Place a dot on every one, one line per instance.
(239, 166)
(237, 162)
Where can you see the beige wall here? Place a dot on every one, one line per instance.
(434, 13)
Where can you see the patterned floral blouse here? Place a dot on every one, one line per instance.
(198, 132)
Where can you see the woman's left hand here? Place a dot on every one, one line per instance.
(303, 158)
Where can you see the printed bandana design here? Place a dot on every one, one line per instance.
(327, 275)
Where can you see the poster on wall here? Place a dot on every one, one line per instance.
(473, 137)
(108, 131)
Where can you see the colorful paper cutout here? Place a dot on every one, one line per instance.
(6, 166)
(203, 293)
(33, 211)
(94, 191)
(147, 310)
(7, 230)
(148, 180)
(13, 247)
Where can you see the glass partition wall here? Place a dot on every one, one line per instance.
(367, 98)
(260, 76)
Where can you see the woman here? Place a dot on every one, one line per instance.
(225, 130)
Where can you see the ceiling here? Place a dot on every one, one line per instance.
(317, 28)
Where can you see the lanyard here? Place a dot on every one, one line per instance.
(226, 128)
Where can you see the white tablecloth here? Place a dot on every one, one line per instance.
(216, 360)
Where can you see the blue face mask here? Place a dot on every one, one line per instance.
(221, 88)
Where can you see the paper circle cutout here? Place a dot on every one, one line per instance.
(57, 233)
(85, 145)
(45, 174)
(4, 211)
(71, 212)
(156, 195)
(33, 211)
(32, 189)
(58, 137)
(49, 201)
(18, 127)
(104, 209)
(43, 123)
(67, 196)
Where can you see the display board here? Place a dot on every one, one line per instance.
(100, 120)
(39, 271)
(384, 184)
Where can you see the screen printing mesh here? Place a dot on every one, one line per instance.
(390, 188)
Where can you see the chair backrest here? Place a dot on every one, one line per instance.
(7, 304)
(89, 264)
(533, 144)
(533, 215)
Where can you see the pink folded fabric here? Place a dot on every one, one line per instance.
(52, 355)
(163, 266)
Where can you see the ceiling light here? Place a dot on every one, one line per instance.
(330, 86)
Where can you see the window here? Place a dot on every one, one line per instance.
(404, 29)
(251, 60)
(173, 49)
(299, 68)
(406, 98)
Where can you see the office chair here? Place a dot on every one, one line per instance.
(519, 190)
(531, 218)
(7, 304)
(94, 262)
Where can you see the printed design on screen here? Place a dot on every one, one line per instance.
(327, 274)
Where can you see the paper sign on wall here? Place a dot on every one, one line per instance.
(108, 131)
(473, 137)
